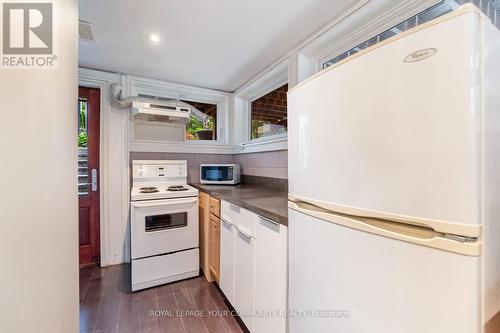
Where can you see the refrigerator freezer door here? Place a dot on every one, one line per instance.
(352, 281)
(386, 135)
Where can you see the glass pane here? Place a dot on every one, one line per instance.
(429, 14)
(203, 122)
(82, 135)
(166, 221)
(269, 113)
(432, 13)
(219, 173)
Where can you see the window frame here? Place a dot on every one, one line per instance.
(269, 80)
(133, 86)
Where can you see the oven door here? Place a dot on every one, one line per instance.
(163, 226)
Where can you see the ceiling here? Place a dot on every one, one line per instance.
(218, 44)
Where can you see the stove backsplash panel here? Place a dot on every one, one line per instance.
(272, 164)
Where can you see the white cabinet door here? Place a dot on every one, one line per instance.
(227, 239)
(270, 277)
(244, 277)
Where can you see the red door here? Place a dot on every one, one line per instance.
(88, 174)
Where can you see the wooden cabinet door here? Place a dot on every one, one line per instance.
(204, 216)
(270, 276)
(214, 206)
(214, 246)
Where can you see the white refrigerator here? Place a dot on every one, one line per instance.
(394, 181)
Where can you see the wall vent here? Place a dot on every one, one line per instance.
(86, 31)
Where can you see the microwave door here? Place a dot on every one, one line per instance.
(216, 173)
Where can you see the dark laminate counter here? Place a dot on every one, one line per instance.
(268, 203)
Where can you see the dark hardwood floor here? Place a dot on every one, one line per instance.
(189, 306)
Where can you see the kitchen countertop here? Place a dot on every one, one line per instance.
(268, 203)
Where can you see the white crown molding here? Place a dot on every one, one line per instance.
(137, 85)
(266, 81)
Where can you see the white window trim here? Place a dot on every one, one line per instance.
(269, 80)
(135, 85)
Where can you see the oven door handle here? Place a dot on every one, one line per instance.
(169, 202)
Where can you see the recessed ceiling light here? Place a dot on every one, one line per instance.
(154, 38)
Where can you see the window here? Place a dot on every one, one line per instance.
(425, 16)
(203, 122)
(82, 147)
(269, 114)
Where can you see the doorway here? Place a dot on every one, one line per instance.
(88, 175)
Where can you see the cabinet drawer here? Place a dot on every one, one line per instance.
(214, 206)
(243, 219)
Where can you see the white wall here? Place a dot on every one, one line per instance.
(38, 192)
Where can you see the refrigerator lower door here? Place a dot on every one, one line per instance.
(346, 280)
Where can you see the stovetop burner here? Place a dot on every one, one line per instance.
(149, 189)
(177, 188)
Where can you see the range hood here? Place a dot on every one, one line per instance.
(160, 108)
(149, 105)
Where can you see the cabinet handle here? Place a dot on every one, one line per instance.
(270, 221)
(244, 232)
(226, 222)
(159, 203)
(274, 223)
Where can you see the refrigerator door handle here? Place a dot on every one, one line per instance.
(446, 227)
(416, 234)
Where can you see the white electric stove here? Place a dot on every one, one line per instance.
(164, 224)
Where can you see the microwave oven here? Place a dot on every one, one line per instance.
(228, 174)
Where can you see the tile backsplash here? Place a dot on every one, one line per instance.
(272, 164)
